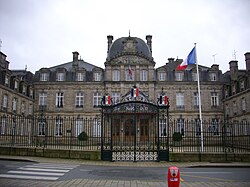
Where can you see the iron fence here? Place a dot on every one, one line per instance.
(62, 133)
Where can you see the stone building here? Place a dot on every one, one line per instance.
(236, 91)
(16, 96)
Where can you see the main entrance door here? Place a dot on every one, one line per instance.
(131, 130)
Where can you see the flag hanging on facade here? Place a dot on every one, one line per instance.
(134, 92)
(191, 59)
(107, 100)
(163, 100)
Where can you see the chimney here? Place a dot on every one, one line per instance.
(233, 64)
(149, 42)
(110, 39)
(247, 59)
(75, 56)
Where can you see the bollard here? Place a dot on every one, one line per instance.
(173, 176)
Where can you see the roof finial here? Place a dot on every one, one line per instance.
(129, 33)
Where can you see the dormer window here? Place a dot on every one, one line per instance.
(80, 76)
(162, 76)
(179, 76)
(44, 77)
(97, 76)
(213, 77)
(15, 85)
(60, 77)
(24, 89)
(242, 86)
(6, 80)
(194, 76)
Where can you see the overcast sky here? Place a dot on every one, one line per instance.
(45, 33)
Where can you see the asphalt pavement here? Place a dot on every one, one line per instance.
(67, 172)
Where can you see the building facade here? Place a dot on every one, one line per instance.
(120, 106)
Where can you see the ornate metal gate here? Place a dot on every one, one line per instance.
(135, 129)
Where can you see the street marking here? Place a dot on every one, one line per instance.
(211, 178)
(27, 177)
(38, 166)
(41, 169)
(35, 173)
(181, 179)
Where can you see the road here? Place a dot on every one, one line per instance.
(19, 173)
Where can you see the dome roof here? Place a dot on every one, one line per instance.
(128, 45)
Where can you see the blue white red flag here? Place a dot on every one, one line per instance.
(107, 100)
(163, 100)
(134, 92)
(191, 59)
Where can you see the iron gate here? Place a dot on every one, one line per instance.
(134, 130)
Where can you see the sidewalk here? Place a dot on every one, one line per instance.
(142, 164)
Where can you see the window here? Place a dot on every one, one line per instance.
(80, 76)
(115, 97)
(235, 107)
(226, 93)
(197, 127)
(30, 109)
(116, 75)
(129, 74)
(242, 86)
(79, 99)
(180, 126)
(24, 89)
(97, 76)
(3, 125)
(194, 76)
(243, 104)
(227, 110)
(143, 75)
(15, 85)
(213, 77)
(58, 126)
(5, 101)
(163, 128)
(214, 99)
(60, 77)
(23, 107)
(97, 99)
(41, 128)
(14, 104)
(78, 126)
(196, 100)
(214, 127)
(6, 80)
(233, 89)
(44, 77)
(178, 76)
(59, 100)
(162, 76)
(43, 99)
(31, 93)
(180, 100)
(96, 130)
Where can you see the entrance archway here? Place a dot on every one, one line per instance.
(130, 131)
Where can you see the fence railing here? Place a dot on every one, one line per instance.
(62, 133)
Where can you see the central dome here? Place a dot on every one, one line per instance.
(129, 45)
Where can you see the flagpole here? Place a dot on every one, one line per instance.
(199, 95)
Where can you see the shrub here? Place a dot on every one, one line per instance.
(83, 136)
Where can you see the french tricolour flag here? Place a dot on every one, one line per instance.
(134, 92)
(191, 59)
(107, 100)
(163, 100)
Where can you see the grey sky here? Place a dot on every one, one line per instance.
(45, 33)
